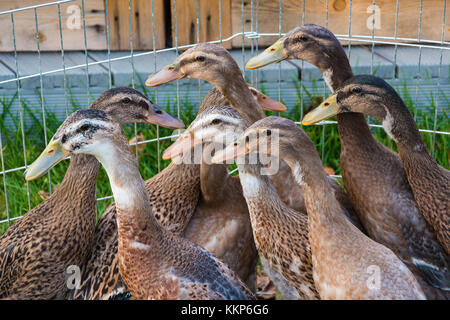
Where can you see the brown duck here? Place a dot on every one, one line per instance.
(36, 251)
(373, 96)
(346, 263)
(280, 233)
(154, 263)
(184, 200)
(373, 175)
(215, 65)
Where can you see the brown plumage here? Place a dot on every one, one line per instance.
(185, 199)
(154, 263)
(215, 65)
(373, 96)
(280, 233)
(373, 175)
(343, 258)
(36, 251)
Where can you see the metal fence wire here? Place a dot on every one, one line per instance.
(253, 36)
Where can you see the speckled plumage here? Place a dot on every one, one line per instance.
(180, 204)
(342, 256)
(36, 250)
(430, 185)
(154, 263)
(281, 237)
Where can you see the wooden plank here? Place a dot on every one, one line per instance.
(338, 18)
(186, 17)
(48, 23)
(141, 20)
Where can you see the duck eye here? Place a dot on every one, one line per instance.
(157, 111)
(126, 100)
(356, 89)
(200, 58)
(303, 38)
(64, 139)
(268, 132)
(84, 127)
(216, 121)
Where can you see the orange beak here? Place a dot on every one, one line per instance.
(165, 120)
(165, 75)
(270, 104)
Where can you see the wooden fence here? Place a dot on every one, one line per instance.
(177, 25)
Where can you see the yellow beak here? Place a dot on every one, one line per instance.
(272, 54)
(327, 109)
(53, 153)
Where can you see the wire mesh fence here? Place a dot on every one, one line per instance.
(250, 39)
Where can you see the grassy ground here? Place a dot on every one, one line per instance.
(325, 138)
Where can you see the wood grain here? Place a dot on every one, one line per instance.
(48, 24)
(186, 15)
(141, 21)
(338, 18)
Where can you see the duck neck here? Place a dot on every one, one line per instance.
(240, 97)
(262, 199)
(335, 74)
(79, 182)
(354, 131)
(212, 176)
(134, 214)
(401, 127)
(352, 126)
(324, 211)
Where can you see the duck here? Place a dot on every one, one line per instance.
(280, 233)
(37, 250)
(346, 263)
(373, 175)
(153, 262)
(214, 64)
(183, 200)
(371, 95)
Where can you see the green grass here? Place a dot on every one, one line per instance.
(13, 149)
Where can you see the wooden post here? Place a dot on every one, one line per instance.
(141, 19)
(208, 21)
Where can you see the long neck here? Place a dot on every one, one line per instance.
(412, 149)
(324, 211)
(262, 199)
(134, 213)
(236, 91)
(212, 176)
(79, 182)
(336, 72)
(352, 127)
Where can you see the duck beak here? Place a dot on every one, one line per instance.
(185, 142)
(272, 54)
(165, 75)
(53, 153)
(270, 104)
(326, 109)
(229, 154)
(164, 119)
